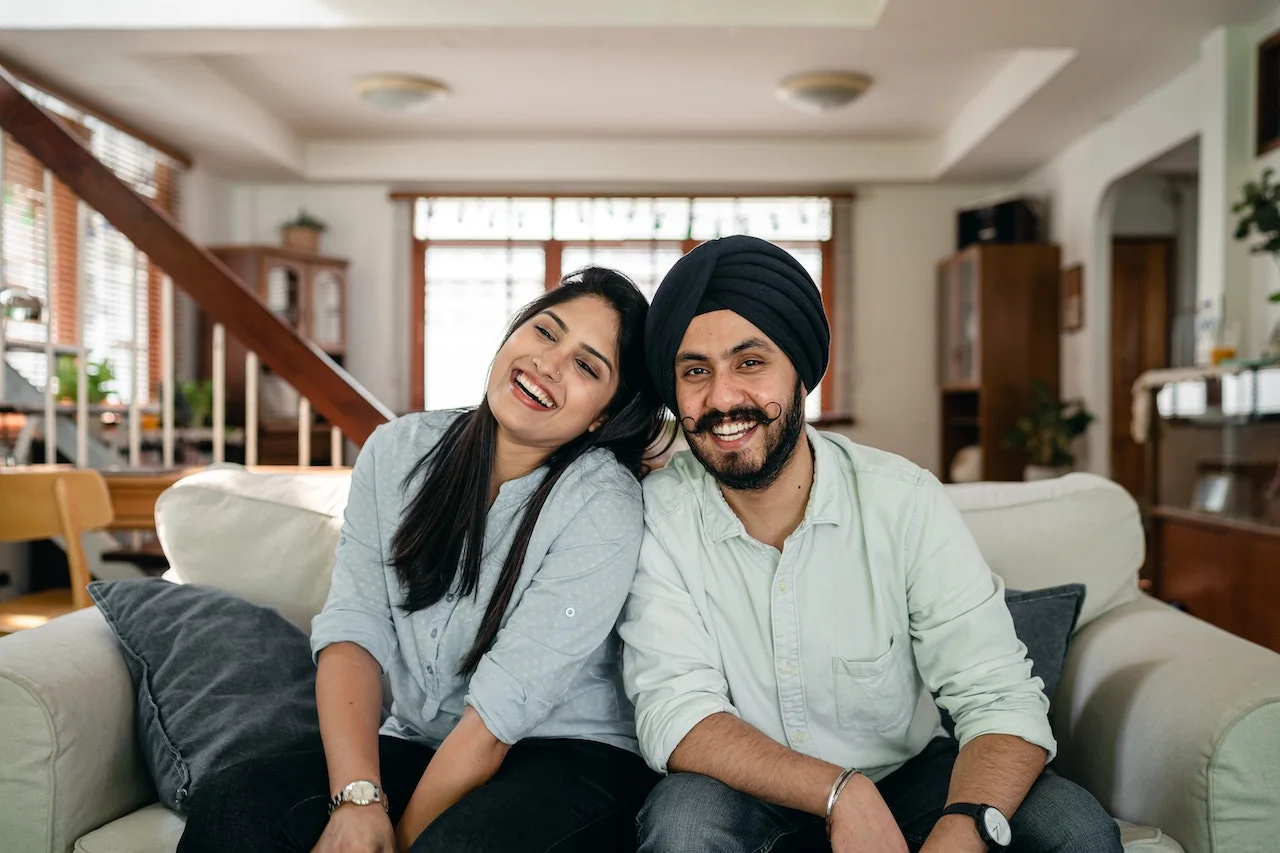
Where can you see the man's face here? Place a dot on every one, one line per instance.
(740, 400)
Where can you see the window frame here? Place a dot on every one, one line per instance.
(553, 252)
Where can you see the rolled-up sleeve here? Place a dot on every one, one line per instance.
(358, 609)
(569, 609)
(963, 636)
(670, 664)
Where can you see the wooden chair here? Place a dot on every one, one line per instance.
(41, 502)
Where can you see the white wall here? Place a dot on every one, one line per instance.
(900, 232)
(1077, 187)
(372, 232)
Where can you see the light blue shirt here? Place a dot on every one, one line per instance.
(554, 669)
(832, 645)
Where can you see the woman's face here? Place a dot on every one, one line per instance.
(554, 376)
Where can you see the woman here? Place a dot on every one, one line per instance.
(484, 559)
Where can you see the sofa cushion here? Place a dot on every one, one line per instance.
(1080, 528)
(1044, 620)
(154, 829)
(218, 679)
(266, 536)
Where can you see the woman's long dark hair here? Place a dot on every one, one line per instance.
(441, 533)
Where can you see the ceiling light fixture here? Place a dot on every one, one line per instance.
(400, 92)
(822, 91)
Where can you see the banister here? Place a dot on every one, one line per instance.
(218, 291)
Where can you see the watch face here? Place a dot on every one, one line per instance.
(361, 793)
(997, 827)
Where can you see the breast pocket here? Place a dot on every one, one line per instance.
(875, 695)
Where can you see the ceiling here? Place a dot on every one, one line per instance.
(577, 91)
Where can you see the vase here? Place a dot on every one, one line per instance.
(1033, 473)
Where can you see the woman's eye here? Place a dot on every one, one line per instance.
(586, 368)
(542, 330)
(696, 371)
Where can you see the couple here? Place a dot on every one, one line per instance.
(739, 657)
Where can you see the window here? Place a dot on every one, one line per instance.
(477, 261)
(96, 272)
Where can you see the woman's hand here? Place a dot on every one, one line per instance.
(357, 829)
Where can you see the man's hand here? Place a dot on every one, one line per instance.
(357, 829)
(862, 823)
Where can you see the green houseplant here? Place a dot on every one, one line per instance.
(1259, 210)
(303, 232)
(1047, 432)
(98, 375)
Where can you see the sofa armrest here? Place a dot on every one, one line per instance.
(1174, 723)
(68, 757)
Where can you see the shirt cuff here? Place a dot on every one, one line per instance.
(336, 626)
(1032, 728)
(508, 710)
(660, 737)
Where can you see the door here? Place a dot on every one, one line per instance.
(1141, 272)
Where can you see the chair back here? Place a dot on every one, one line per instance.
(42, 502)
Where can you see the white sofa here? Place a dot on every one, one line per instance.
(1170, 722)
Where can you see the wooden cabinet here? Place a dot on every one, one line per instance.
(307, 291)
(998, 329)
(1222, 570)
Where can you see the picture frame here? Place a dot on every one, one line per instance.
(1073, 298)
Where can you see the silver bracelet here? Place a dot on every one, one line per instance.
(836, 788)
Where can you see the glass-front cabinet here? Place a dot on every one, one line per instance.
(959, 350)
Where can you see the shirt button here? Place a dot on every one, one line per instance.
(782, 586)
(570, 612)
(435, 631)
(449, 598)
(787, 669)
(799, 737)
(430, 670)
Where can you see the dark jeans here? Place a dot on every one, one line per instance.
(558, 795)
(687, 812)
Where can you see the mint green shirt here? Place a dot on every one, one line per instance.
(833, 645)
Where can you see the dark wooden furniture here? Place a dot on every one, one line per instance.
(1222, 570)
(1267, 115)
(998, 329)
(306, 291)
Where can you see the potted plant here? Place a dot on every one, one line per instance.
(303, 232)
(1046, 434)
(1259, 210)
(196, 402)
(97, 373)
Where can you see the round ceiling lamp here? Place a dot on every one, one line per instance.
(822, 91)
(400, 92)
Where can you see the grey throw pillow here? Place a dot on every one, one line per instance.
(1044, 619)
(218, 679)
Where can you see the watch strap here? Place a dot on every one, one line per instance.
(976, 811)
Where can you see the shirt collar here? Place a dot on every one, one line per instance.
(825, 505)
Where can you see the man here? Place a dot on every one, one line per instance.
(799, 600)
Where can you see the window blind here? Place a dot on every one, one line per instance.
(94, 269)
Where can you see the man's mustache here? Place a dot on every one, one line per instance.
(714, 417)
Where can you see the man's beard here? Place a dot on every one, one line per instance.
(734, 471)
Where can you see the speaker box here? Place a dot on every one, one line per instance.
(1010, 221)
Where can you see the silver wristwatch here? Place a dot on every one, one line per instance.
(359, 793)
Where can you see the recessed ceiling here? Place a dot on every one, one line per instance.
(637, 84)
(963, 88)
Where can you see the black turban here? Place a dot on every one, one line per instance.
(753, 278)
